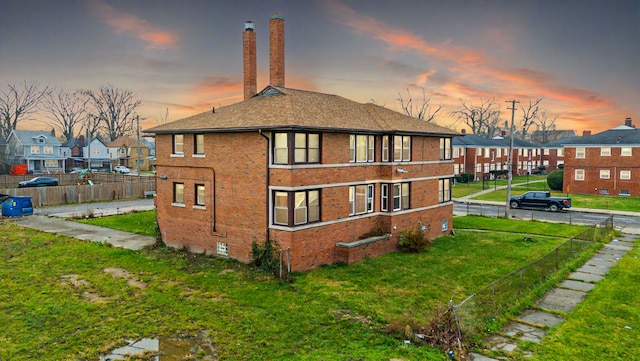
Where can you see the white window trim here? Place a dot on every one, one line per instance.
(622, 153)
(605, 152)
(583, 151)
(605, 174)
(581, 171)
(626, 172)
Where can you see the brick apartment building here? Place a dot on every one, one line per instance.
(473, 154)
(606, 163)
(314, 172)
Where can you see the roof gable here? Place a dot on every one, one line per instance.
(29, 137)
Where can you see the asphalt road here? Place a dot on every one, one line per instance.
(569, 216)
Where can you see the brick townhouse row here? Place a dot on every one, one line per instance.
(314, 172)
(476, 155)
(606, 163)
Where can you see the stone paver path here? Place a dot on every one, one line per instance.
(533, 324)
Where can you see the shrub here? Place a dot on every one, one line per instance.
(555, 179)
(265, 256)
(414, 239)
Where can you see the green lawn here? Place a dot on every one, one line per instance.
(332, 313)
(464, 189)
(606, 325)
(138, 222)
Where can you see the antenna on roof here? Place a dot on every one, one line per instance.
(213, 110)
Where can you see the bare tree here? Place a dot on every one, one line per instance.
(483, 119)
(164, 119)
(65, 110)
(17, 104)
(529, 116)
(422, 111)
(546, 125)
(114, 109)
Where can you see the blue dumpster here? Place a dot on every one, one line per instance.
(15, 206)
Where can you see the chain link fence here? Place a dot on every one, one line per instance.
(476, 311)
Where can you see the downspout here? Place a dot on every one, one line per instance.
(266, 214)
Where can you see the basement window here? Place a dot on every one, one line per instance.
(624, 192)
(222, 248)
(604, 191)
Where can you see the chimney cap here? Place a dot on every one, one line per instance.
(277, 16)
(249, 25)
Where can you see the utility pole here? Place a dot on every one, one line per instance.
(513, 102)
(89, 143)
(138, 146)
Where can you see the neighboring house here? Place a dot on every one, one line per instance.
(473, 154)
(96, 153)
(607, 163)
(313, 172)
(39, 150)
(129, 152)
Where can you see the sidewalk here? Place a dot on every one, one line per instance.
(533, 324)
(52, 220)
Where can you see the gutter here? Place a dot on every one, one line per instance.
(267, 181)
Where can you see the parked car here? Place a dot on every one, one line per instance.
(121, 169)
(540, 199)
(39, 182)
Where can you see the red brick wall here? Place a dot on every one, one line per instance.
(593, 162)
(236, 211)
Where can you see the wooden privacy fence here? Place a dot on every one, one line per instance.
(134, 187)
(65, 179)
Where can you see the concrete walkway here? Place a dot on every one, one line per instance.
(55, 222)
(532, 325)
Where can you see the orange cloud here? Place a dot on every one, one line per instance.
(397, 38)
(123, 22)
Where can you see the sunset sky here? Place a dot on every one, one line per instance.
(581, 56)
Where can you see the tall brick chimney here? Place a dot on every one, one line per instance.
(586, 133)
(628, 122)
(249, 59)
(276, 50)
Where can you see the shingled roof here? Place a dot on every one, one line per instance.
(620, 135)
(276, 108)
(473, 140)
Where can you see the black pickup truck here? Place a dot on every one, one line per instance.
(540, 199)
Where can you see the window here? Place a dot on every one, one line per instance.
(561, 152)
(384, 204)
(624, 192)
(295, 208)
(456, 169)
(545, 151)
(603, 191)
(281, 208)
(579, 175)
(95, 150)
(35, 149)
(520, 151)
(499, 152)
(51, 163)
(362, 148)
(456, 152)
(280, 149)
(198, 144)
(178, 144)
(47, 149)
(444, 226)
(178, 193)
(625, 151)
(445, 148)
(199, 196)
(289, 148)
(360, 199)
(605, 152)
(487, 152)
(401, 148)
(222, 248)
(385, 148)
(625, 174)
(580, 153)
(605, 174)
(400, 196)
(444, 190)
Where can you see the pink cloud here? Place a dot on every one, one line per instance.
(122, 22)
